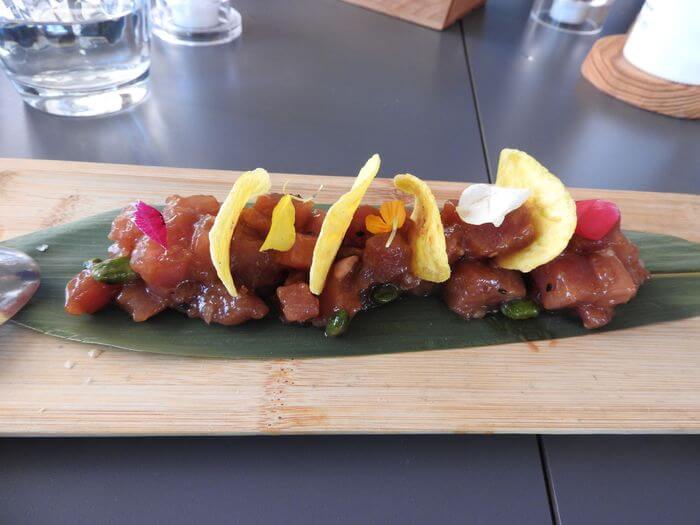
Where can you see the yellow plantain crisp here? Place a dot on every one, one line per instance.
(552, 208)
(336, 223)
(429, 258)
(249, 185)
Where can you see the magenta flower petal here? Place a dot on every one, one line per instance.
(150, 221)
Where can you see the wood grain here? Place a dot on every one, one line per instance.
(607, 69)
(435, 14)
(641, 380)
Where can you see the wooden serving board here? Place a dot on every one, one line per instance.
(641, 380)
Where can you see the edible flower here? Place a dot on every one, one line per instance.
(595, 218)
(282, 234)
(392, 216)
(150, 221)
(486, 203)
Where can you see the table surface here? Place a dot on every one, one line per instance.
(315, 87)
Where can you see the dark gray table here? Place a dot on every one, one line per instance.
(315, 87)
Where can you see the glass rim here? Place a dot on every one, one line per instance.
(136, 4)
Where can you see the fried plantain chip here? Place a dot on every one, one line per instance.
(551, 206)
(336, 223)
(429, 259)
(249, 185)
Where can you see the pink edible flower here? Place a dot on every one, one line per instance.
(150, 221)
(595, 218)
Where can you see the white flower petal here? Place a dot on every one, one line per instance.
(486, 203)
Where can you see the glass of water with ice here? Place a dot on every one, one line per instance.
(77, 57)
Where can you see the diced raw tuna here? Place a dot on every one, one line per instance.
(85, 295)
(591, 277)
(298, 257)
(476, 288)
(139, 302)
(486, 240)
(297, 302)
(215, 305)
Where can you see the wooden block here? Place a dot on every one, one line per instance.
(607, 69)
(435, 14)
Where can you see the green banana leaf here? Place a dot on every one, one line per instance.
(406, 325)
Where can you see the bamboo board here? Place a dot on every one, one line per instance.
(640, 380)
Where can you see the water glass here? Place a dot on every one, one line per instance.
(584, 17)
(77, 57)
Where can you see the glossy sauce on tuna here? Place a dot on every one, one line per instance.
(589, 277)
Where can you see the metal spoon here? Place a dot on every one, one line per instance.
(19, 280)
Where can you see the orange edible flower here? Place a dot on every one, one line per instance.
(393, 217)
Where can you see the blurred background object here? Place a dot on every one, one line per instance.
(657, 65)
(19, 280)
(196, 22)
(665, 40)
(435, 14)
(76, 58)
(573, 16)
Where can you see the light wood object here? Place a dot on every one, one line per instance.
(435, 14)
(607, 69)
(641, 380)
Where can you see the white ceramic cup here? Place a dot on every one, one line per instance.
(665, 40)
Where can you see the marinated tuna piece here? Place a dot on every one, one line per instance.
(215, 305)
(266, 203)
(591, 277)
(296, 277)
(382, 264)
(357, 233)
(256, 221)
(313, 226)
(425, 289)
(139, 302)
(195, 204)
(181, 213)
(486, 240)
(201, 267)
(342, 291)
(476, 288)
(298, 257)
(124, 232)
(251, 267)
(297, 302)
(345, 267)
(626, 251)
(303, 209)
(162, 270)
(85, 295)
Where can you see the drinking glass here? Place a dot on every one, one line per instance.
(77, 57)
(584, 17)
(196, 22)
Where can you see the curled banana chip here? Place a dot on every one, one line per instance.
(336, 223)
(282, 234)
(429, 258)
(551, 207)
(248, 186)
